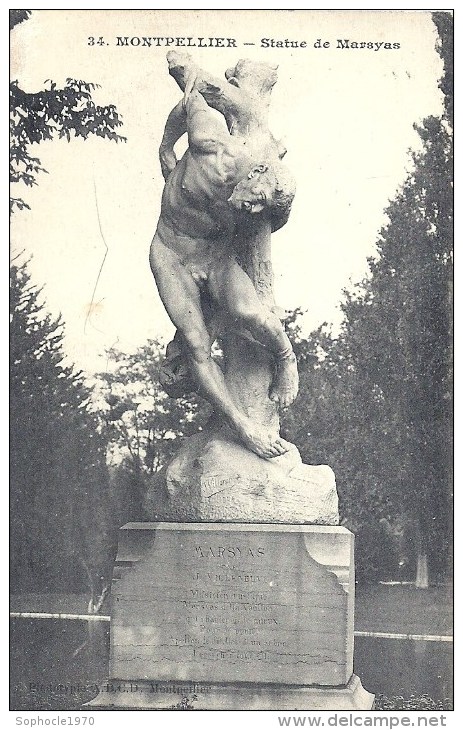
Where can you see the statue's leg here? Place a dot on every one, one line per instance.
(174, 375)
(181, 298)
(235, 292)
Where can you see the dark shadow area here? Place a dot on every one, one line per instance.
(56, 664)
(397, 667)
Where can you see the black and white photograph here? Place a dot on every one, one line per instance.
(231, 351)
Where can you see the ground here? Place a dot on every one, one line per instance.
(403, 609)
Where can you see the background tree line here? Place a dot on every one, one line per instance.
(375, 399)
(63, 511)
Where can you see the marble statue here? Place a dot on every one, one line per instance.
(240, 580)
(211, 260)
(225, 177)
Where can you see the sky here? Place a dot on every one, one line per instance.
(346, 116)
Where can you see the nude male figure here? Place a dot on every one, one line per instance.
(219, 180)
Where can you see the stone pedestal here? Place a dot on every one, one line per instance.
(233, 616)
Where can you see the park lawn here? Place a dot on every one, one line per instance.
(404, 609)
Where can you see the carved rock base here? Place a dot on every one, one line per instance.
(262, 615)
(213, 478)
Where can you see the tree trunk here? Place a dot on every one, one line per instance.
(248, 366)
(422, 573)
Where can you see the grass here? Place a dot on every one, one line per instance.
(404, 609)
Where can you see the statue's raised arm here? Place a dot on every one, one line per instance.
(243, 97)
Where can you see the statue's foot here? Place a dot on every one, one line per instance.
(262, 442)
(286, 382)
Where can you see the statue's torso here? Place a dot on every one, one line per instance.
(194, 205)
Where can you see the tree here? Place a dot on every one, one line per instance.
(394, 353)
(338, 420)
(376, 401)
(142, 422)
(49, 113)
(62, 511)
(61, 507)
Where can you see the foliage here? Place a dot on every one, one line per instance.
(49, 113)
(18, 16)
(397, 343)
(339, 419)
(186, 703)
(60, 503)
(443, 20)
(376, 401)
(415, 702)
(63, 514)
(141, 422)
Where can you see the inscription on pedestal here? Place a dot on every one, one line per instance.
(224, 604)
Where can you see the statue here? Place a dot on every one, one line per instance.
(227, 546)
(211, 259)
(225, 178)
